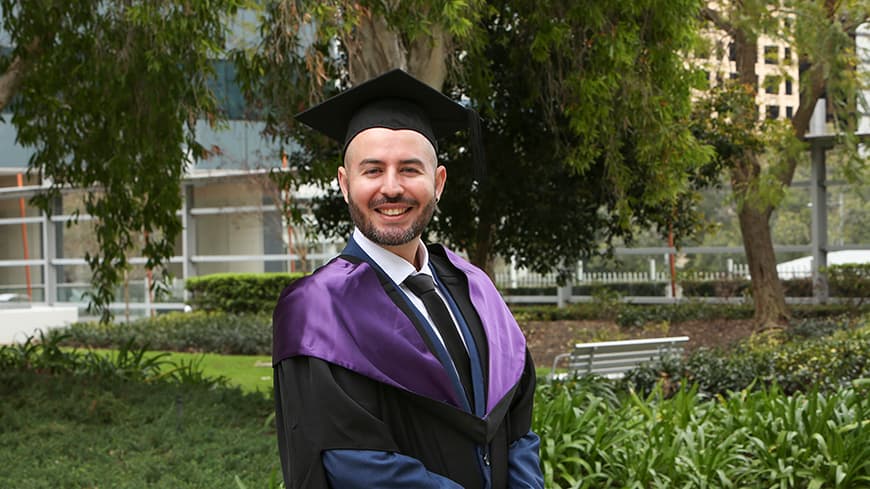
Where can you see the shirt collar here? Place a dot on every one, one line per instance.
(392, 264)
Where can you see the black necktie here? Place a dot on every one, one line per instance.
(423, 287)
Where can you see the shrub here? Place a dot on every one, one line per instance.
(214, 332)
(851, 280)
(240, 293)
(757, 439)
(626, 314)
(798, 364)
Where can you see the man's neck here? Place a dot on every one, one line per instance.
(412, 252)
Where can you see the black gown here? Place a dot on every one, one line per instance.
(322, 406)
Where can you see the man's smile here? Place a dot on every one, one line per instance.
(393, 211)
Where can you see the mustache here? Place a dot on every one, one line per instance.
(393, 200)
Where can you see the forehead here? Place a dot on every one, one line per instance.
(384, 144)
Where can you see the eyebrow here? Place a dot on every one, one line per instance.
(376, 161)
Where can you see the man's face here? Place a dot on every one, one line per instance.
(391, 184)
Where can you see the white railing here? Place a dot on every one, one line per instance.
(511, 279)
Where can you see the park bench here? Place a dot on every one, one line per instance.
(612, 359)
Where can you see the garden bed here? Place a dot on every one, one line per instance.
(546, 339)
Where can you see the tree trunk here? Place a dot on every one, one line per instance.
(767, 292)
(480, 253)
(376, 48)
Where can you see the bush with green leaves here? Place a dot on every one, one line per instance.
(850, 280)
(726, 288)
(127, 362)
(198, 331)
(592, 438)
(609, 308)
(796, 361)
(240, 293)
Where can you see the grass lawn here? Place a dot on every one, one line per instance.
(250, 372)
(70, 431)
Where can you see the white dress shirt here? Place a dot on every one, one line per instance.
(398, 269)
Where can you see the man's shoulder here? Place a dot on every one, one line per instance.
(441, 256)
(328, 279)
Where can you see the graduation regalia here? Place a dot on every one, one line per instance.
(355, 368)
(366, 393)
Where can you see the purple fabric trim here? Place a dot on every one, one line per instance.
(507, 345)
(324, 316)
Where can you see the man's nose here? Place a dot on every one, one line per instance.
(391, 186)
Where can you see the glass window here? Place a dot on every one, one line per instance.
(771, 55)
(771, 84)
(21, 284)
(21, 241)
(773, 111)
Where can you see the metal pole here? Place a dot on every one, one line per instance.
(819, 199)
(49, 253)
(188, 236)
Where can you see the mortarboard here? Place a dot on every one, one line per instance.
(395, 100)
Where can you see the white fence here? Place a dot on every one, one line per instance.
(517, 279)
(512, 279)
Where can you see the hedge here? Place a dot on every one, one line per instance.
(258, 292)
(200, 331)
(851, 280)
(238, 292)
(640, 314)
(801, 359)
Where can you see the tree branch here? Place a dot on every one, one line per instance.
(10, 80)
(715, 18)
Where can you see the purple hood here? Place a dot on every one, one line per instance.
(341, 314)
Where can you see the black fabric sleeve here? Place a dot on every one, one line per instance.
(320, 406)
(520, 413)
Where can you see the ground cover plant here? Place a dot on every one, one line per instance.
(136, 418)
(129, 419)
(593, 437)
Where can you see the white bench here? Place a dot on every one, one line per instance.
(612, 359)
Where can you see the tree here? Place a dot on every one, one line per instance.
(107, 93)
(310, 50)
(586, 108)
(568, 175)
(761, 156)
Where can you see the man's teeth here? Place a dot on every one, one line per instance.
(393, 212)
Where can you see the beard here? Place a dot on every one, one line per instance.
(391, 236)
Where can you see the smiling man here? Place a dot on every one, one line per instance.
(397, 364)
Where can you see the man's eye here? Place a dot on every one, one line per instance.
(371, 171)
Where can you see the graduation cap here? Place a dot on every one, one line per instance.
(396, 100)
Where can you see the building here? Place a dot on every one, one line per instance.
(778, 94)
(231, 214)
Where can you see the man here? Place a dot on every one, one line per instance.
(398, 365)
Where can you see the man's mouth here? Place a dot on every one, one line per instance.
(394, 211)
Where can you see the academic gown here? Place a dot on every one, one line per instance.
(358, 371)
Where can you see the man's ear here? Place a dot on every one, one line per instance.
(342, 182)
(440, 180)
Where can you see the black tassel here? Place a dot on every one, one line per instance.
(478, 155)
